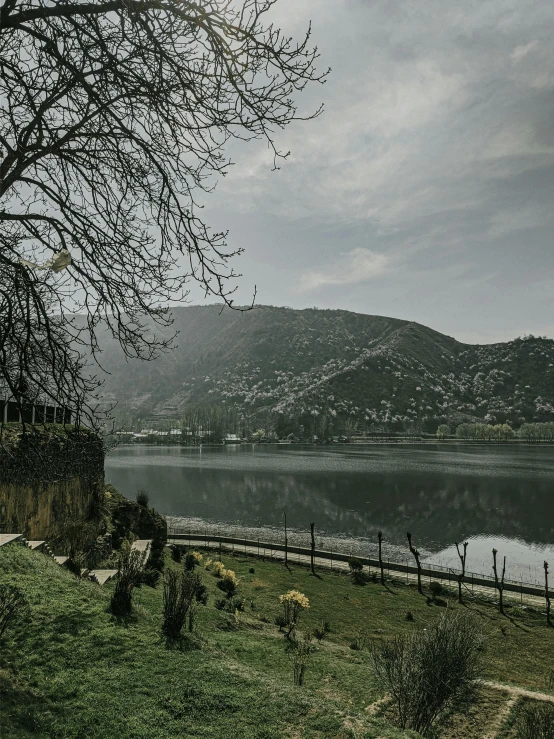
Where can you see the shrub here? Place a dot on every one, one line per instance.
(355, 564)
(143, 498)
(409, 616)
(251, 570)
(220, 604)
(235, 604)
(128, 577)
(429, 673)
(202, 595)
(319, 633)
(258, 584)
(149, 576)
(358, 643)
(536, 721)
(180, 590)
(436, 589)
(299, 652)
(192, 559)
(228, 583)
(280, 621)
(177, 553)
(294, 603)
(218, 568)
(327, 626)
(13, 608)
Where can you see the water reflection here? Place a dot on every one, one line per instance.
(495, 496)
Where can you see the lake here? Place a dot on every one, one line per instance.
(491, 496)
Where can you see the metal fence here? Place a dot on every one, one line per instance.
(274, 550)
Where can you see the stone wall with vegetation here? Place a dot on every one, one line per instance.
(50, 479)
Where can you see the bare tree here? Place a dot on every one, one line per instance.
(114, 116)
(415, 552)
(463, 572)
(312, 549)
(380, 537)
(431, 672)
(547, 594)
(499, 583)
(286, 540)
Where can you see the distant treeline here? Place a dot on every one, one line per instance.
(499, 432)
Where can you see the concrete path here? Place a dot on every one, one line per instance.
(143, 546)
(61, 560)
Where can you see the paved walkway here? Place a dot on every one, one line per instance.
(342, 566)
(140, 545)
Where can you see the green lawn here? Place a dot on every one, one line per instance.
(74, 671)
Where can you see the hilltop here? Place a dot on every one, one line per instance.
(333, 371)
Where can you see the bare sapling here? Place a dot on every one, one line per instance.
(499, 583)
(415, 552)
(463, 572)
(547, 594)
(312, 551)
(286, 539)
(380, 537)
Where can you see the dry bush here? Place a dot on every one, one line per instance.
(431, 672)
(128, 577)
(180, 590)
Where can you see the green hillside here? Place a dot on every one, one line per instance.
(333, 372)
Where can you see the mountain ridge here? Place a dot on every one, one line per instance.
(332, 369)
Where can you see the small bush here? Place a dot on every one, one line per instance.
(202, 595)
(319, 633)
(218, 568)
(228, 583)
(299, 652)
(177, 553)
(536, 721)
(129, 575)
(436, 589)
(220, 604)
(179, 593)
(258, 584)
(355, 564)
(327, 626)
(149, 576)
(280, 621)
(143, 498)
(236, 604)
(251, 570)
(358, 643)
(192, 559)
(432, 672)
(409, 616)
(293, 603)
(14, 608)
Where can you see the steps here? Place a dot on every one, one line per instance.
(140, 545)
(98, 576)
(11, 539)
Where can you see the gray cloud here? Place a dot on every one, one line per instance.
(435, 153)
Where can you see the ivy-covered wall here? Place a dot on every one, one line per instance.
(50, 477)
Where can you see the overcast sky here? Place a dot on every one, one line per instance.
(425, 191)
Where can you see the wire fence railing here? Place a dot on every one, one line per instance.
(338, 558)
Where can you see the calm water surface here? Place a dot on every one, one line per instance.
(490, 496)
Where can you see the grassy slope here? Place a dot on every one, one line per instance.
(85, 675)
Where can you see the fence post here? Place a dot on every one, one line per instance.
(331, 560)
(258, 547)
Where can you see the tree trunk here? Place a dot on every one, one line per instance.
(415, 552)
(546, 594)
(463, 572)
(380, 536)
(286, 540)
(312, 566)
